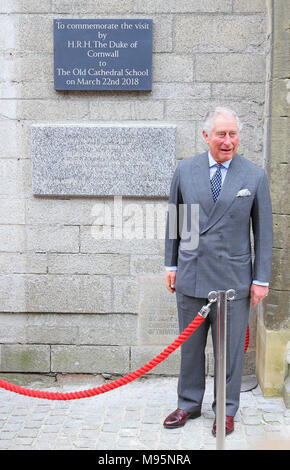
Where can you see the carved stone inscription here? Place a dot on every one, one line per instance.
(157, 321)
(103, 160)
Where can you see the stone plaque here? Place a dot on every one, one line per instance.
(103, 54)
(102, 160)
(157, 319)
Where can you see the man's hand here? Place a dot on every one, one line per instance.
(258, 293)
(169, 278)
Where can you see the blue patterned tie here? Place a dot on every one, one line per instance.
(216, 182)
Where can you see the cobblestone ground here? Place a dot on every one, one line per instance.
(131, 417)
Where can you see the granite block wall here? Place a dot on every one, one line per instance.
(80, 280)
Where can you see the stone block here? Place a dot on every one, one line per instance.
(276, 306)
(185, 109)
(30, 381)
(271, 353)
(24, 6)
(52, 110)
(249, 6)
(126, 294)
(74, 211)
(182, 6)
(82, 160)
(33, 26)
(141, 355)
(8, 109)
(24, 358)
(230, 68)
(7, 28)
(88, 264)
(186, 139)
(89, 243)
(48, 328)
(93, 214)
(279, 165)
(157, 319)
(24, 90)
(144, 264)
(115, 329)
(90, 359)
(162, 33)
(78, 329)
(52, 335)
(172, 68)
(281, 98)
(123, 111)
(174, 91)
(10, 136)
(281, 230)
(12, 328)
(12, 294)
(91, 6)
(59, 293)
(12, 211)
(55, 293)
(280, 68)
(25, 67)
(129, 219)
(241, 91)
(249, 367)
(195, 33)
(249, 112)
(13, 177)
(12, 237)
(52, 238)
(23, 263)
(280, 269)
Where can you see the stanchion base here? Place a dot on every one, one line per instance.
(249, 382)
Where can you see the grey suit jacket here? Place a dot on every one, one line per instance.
(222, 258)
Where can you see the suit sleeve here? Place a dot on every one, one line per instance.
(172, 237)
(262, 226)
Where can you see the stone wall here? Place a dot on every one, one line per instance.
(72, 301)
(273, 332)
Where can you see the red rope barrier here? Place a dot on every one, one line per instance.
(247, 338)
(119, 382)
(111, 385)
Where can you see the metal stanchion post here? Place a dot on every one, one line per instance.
(222, 298)
(221, 369)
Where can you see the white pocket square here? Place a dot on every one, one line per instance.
(243, 192)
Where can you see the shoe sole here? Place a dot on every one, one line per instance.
(227, 432)
(174, 426)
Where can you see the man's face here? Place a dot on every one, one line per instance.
(224, 139)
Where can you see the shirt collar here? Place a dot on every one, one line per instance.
(212, 162)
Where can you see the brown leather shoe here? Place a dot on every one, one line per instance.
(179, 417)
(229, 425)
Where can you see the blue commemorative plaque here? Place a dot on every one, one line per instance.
(103, 54)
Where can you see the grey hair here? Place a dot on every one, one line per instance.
(208, 123)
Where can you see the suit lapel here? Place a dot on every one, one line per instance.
(230, 187)
(201, 183)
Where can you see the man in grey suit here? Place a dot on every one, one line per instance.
(214, 253)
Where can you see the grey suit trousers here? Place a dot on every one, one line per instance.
(191, 384)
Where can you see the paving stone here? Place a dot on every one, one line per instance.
(131, 418)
